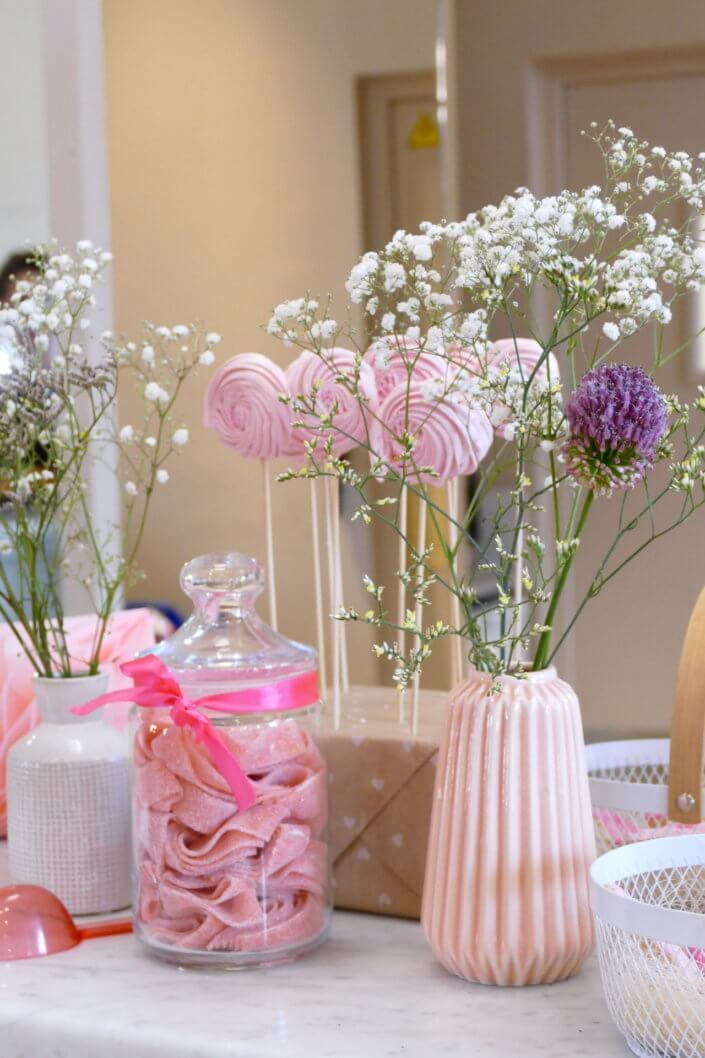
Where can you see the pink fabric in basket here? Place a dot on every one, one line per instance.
(622, 828)
(212, 877)
(129, 632)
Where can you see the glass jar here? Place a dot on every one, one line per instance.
(217, 884)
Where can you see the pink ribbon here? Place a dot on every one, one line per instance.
(155, 687)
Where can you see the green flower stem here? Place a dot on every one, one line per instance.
(544, 644)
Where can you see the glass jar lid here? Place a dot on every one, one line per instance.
(224, 641)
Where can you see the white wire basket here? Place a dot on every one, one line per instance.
(629, 788)
(646, 788)
(648, 900)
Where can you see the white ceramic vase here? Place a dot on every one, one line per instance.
(68, 801)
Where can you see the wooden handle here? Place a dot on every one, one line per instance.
(688, 724)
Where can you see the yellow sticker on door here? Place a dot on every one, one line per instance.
(424, 133)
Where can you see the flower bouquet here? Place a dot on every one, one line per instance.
(67, 796)
(491, 348)
(57, 420)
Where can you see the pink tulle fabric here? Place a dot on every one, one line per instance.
(309, 371)
(242, 405)
(129, 632)
(450, 438)
(210, 877)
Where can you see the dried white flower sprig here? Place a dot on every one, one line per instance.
(57, 413)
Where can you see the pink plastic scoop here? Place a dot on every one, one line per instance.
(34, 922)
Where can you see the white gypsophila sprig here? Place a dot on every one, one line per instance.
(172, 355)
(55, 306)
(57, 399)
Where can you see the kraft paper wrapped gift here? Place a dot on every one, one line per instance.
(381, 788)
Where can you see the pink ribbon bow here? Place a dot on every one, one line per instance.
(155, 687)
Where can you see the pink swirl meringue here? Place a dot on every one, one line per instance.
(519, 357)
(451, 438)
(522, 356)
(349, 427)
(525, 353)
(391, 365)
(242, 406)
(507, 352)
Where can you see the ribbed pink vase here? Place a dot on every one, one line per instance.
(505, 897)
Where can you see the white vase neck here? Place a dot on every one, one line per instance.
(56, 697)
(548, 675)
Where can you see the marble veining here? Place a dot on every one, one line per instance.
(373, 990)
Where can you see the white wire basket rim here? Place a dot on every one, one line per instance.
(626, 795)
(619, 909)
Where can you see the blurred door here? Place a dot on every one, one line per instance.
(531, 77)
(401, 182)
(399, 141)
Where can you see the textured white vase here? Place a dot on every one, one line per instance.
(68, 801)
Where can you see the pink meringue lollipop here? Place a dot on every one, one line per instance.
(510, 353)
(391, 365)
(348, 428)
(242, 406)
(451, 438)
(525, 353)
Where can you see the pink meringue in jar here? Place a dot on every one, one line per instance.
(216, 883)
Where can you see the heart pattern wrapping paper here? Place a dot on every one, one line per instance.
(381, 782)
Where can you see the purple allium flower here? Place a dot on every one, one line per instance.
(617, 416)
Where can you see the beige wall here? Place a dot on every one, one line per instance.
(632, 61)
(234, 184)
(495, 45)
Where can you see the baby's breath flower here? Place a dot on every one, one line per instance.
(154, 392)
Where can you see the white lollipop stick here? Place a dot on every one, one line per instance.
(271, 579)
(401, 591)
(332, 593)
(318, 585)
(420, 547)
(339, 595)
(453, 488)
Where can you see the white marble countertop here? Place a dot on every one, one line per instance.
(372, 991)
